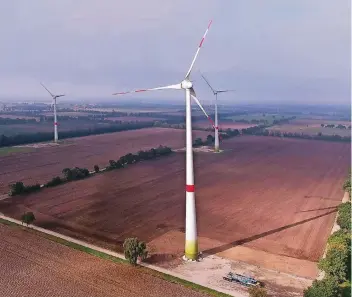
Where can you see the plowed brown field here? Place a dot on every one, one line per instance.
(35, 266)
(44, 163)
(223, 125)
(271, 194)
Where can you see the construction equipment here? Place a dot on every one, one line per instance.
(242, 279)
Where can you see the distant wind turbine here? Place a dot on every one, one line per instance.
(56, 137)
(191, 244)
(216, 92)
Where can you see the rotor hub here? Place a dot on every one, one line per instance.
(186, 84)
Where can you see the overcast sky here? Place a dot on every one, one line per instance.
(269, 51)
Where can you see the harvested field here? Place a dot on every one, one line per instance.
(29, 128)
(35, 266)
(313, 127)
(41, 164)
(134, 119)
(273, 195)
(224, 125)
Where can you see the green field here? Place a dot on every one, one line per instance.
(12, 150)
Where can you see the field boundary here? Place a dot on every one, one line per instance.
(103, 253)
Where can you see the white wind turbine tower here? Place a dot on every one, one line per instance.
(216, 92)
(56, 137)
(191, 244)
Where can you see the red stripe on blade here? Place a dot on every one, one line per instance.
(201, 42)
(190, 188)
(140, 91)
(210, 23)
(211, 121)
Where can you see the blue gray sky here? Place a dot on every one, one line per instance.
(269, 51)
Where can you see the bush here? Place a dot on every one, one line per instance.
(134, 249)
(257, 292)
(19, 188)
(54, 182)
(328, 287)
(28, 218)
(32, 188)
(96, 168)
(75, 173)
(344, 216)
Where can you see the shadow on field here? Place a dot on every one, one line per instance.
(321, 197)
(260, 235)
(325, 208)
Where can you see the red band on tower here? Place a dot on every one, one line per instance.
(55, 124)
(190, 188)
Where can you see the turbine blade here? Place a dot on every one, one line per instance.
(47, 90)
(197, 52)
(193, 94)
(174, 87)
(224, 91)
(57, 96)
(207, 82)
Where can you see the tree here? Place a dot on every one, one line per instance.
(28, 218)
(347, 185)
(67, 173)
(344, 216)
(198, 142)
(328, 287)
(210, 139)
(54, 182)
(257, 292)
(17, 188)
(335, 262)
(96, 168)
(134, 249)
(340, 238)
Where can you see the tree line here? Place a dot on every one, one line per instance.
(262, 130)
(8, 121)
(337, 262)
(339, 126)
(47, 136)
(199, 142)
(76, 173)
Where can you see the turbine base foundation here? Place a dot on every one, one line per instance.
(191, 250)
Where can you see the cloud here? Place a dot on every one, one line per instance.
(293, 51)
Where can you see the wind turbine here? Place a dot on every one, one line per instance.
(56, 137)
(216, 92)
(191, 244)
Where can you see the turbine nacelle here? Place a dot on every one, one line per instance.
(186, 84)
